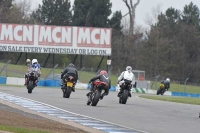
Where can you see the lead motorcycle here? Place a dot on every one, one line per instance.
(31, 80)
(125, 89)
(68, 86)
(94, 97)
(161, 90)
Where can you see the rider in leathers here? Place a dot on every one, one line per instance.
(166, 83)
(70, 70)
(103, 77)
(126, 76)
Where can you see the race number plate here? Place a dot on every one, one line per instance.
(69, 84)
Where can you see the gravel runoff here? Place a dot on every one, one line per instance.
(11, 113)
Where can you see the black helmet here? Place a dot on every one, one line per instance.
(71, 65)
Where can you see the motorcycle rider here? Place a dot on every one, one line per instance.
(36, 67)
(70, 70)
(166, 82)
(126, 76)
(103, 77)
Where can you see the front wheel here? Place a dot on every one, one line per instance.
(95, 100)
(124, 96)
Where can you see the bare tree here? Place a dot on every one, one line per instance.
(131, 9)
(152, 18)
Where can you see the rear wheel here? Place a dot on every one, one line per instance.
(30, 86)
(68, 92)
(96, 98)
(124, 97)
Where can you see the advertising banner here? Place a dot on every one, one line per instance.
(55, 39)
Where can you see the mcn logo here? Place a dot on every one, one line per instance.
(55, 35)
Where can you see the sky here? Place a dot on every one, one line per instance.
(143, 9)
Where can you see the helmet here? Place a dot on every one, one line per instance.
(129, 68)
(103, 72)
(71, 65)
(168, 79)
(28, 60)
(34, 61)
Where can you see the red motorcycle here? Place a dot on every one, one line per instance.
(94, 97)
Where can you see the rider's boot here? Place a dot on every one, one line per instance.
(129, 93)
(26, 81)
(73, 88)
(120, 92)
(88, 94)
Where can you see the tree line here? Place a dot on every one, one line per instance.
(170, 47)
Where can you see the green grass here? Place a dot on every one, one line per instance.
(20, 130)
(20, 70)
(185, 100)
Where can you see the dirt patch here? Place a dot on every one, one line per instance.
(18, 120)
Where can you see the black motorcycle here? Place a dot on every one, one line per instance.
(31, 78)
(68, 86)
(161, 90)
(125, 90)
(94, 97)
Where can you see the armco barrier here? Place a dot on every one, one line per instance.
(41, 83)
(15, 81)
(53, 83)
(3, 80)
(185, 94)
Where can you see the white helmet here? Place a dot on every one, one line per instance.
(28, 60)
(168, 79)
(129, 68)
(34, 61)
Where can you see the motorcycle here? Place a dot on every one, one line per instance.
(69, 84)
(94, 97)
(126, 87)
(161, 90)
(31, 79)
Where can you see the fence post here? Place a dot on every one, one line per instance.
(155, 81)
(53, 69)
(6, 68)
(185, 84)
(79, 75)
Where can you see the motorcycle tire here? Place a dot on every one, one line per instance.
(159, 91)
(124, 96)
(30, 86)
(68, 92)
(96, 98)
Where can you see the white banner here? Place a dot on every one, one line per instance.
(55, 39)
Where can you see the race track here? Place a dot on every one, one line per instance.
(147, 115)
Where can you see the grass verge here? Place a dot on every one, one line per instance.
(20, 130)
(185, 100)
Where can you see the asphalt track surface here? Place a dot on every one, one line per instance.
(151, 116)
